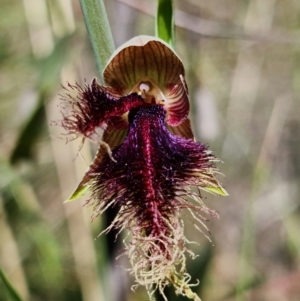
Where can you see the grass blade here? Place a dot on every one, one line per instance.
(11, 291)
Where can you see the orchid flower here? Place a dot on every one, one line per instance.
(149, 165)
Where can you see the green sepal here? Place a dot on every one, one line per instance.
(78, 192)
(216, 190)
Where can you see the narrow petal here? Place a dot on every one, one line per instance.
(95, 106)
(184, 129)
(112, 138)
(177, 102)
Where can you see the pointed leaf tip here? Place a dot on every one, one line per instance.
(216, 190)
(78, 192)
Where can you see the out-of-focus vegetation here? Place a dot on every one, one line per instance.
(243, 71)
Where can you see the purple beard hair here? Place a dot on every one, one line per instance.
(154, 176)
(153, 167)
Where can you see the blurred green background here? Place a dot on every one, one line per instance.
(242, 61)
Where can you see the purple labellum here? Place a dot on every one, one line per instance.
(153, 174)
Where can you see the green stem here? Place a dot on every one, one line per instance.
(164, 25)
(99, 31)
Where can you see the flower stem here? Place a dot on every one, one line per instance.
(99, 31)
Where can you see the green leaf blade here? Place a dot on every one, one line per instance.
(10, 289)
(164, 25)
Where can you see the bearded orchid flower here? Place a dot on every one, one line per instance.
(148, 165)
